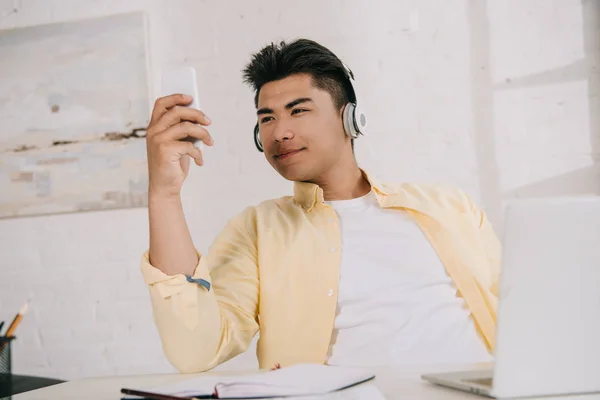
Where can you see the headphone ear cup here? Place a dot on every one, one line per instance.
(257, 142)
(360, 120)
(348, 121)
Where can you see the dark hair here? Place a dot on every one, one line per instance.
(278, 61)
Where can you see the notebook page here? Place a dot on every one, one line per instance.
(202, 386)
(302, 379)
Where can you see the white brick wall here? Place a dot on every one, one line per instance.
(499, 98)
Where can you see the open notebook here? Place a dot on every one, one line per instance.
(297, 380)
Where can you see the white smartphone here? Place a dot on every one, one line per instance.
(181, 79)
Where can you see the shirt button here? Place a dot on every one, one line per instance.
(330, 220)
(330, 292)
(332, 249)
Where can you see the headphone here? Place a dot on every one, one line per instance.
(353, 118)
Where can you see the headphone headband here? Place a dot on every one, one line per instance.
(350, 77)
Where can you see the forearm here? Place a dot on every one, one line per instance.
(171, 246)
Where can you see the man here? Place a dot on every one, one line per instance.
(347, 271)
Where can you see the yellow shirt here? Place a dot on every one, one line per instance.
(275, 267)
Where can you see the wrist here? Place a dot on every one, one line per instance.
(155, 197)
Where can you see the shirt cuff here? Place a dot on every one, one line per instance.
(169, 285)
(180, 290)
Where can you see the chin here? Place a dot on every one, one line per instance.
(295, 173)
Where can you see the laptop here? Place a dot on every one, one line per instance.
(548, 326)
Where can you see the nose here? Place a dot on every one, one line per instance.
(282, 132)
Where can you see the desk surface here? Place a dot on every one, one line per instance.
(394, 383)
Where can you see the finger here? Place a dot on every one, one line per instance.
(183, 149)
(164, 104)
(184, 130)
(196, 154)
(175, 151)
(178, 114)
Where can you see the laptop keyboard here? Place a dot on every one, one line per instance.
(483, 382)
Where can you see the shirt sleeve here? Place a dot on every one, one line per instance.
(211, 316)
(491, 244)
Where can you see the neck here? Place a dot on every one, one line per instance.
(343, 182)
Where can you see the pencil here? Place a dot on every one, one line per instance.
(13, 325)
(1, 325)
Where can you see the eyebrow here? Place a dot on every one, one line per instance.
(289, 105)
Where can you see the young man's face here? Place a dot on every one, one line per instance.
(300, 128)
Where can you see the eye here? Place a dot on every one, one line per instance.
(265, 119)
(299, 110)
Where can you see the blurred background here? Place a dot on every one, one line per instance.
(498, 97)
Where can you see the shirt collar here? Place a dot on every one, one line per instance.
(310, 194)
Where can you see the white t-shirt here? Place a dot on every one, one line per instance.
(396, 303)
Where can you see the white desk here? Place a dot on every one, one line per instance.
(402, 383)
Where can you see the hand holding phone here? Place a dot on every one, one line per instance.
(182, 79)
(176, 124)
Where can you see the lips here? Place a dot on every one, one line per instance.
(287, 154)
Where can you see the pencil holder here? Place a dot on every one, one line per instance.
(5, 367)
(5, 357)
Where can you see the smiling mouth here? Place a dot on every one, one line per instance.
(288, 155)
